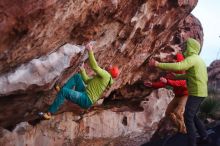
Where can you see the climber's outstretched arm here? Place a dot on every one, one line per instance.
(98, 70)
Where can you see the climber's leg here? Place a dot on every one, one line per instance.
(179, 111)
(171, 106)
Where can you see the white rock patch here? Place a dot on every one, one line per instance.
(39, 71)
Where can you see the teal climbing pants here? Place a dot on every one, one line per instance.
(77, 96)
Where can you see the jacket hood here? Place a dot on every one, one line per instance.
(192, 47)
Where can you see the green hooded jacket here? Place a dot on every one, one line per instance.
(96, 85)
(196, 71)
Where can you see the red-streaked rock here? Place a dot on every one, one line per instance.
(128, 34)
(99, 126)
(214, 76)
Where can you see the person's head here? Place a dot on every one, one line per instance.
(192, 47)
(114, 71)
(179, 58)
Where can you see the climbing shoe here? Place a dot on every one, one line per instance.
(45, 116)
(57, 88)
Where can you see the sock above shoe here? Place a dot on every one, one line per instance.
(46, 116)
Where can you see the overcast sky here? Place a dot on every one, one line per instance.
(208, 12)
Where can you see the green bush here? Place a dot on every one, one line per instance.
(210, 108)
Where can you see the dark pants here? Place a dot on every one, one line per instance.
(193, 123)
(77, 96)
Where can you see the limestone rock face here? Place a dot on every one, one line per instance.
(42, 43)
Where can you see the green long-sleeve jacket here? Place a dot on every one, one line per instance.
(196, 71)
(97, 84)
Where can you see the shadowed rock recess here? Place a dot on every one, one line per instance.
(42, 43)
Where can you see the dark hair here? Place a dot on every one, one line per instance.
(183, 46)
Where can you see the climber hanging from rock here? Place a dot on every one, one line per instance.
(176, 107)
(82, 89)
